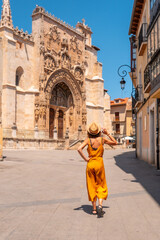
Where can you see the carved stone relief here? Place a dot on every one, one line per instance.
(42, 82)
(64, 43)
(53, 35)
(84, 116)
(74, 44)
(65, 61)
(71, 116)
(78, 73)
(49, 64)
(36, 112)
(40, 113)
(42, 47)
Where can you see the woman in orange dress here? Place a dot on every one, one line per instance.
(95, 172)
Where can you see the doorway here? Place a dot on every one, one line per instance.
(51, 122)
(60, 124)
(152, 137)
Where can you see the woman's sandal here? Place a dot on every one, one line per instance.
(94, 212)
(100, 211)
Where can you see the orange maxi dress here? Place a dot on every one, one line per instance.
(95, 174)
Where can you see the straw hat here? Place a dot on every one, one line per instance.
(93, 128)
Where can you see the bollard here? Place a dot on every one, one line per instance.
(55, 133)
(14, 130)
(79, 132)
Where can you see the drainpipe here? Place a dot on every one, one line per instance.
(157, 133)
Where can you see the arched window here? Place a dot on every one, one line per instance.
(19, 73)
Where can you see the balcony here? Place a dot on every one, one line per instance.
(117, 119)
(142, 39)
(137, 97)
(155, 87)
(147, 79)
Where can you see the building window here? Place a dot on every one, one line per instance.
(19, 73)
(17, 80)
(116, 116)
(133, 52)
(118, 128)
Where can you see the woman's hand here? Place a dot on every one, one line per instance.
(87, 159)
(104, 130)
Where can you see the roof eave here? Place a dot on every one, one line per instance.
(135, 5)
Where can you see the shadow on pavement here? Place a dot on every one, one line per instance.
(88, 208)
(144, 173)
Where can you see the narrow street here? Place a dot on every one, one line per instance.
(44, 197)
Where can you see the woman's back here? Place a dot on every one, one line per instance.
(95, 147)
(96, 142)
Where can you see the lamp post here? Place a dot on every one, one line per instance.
(122, 72)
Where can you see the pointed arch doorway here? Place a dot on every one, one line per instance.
(60, 104)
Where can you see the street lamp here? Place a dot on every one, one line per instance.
(122, 73)
(122, 82)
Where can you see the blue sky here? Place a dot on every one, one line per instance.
(109, 21)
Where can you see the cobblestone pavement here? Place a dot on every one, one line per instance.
(43, 197)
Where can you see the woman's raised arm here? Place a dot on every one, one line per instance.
(112, 140)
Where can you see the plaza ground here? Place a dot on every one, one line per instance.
(43, 197)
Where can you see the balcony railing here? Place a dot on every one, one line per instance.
(138, 93)
(155, 85)
(117, 119)
(147, 79)
(117, 132)
(137, 96)
(142, 38)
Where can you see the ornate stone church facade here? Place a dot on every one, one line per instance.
(50, 81)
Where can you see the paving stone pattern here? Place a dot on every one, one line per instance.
(43, 197)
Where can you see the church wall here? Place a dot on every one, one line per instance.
(20, 107)
(29, 111)
(95, 92)
(1, 62)
(95, 114)
(107, 113)
(9, 89)
(95, 100)
(36, 32)
(8, 106)
(18, 53)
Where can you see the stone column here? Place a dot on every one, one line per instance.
(14, 130)
(67, 139)
(64, 123)
(56, 118)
